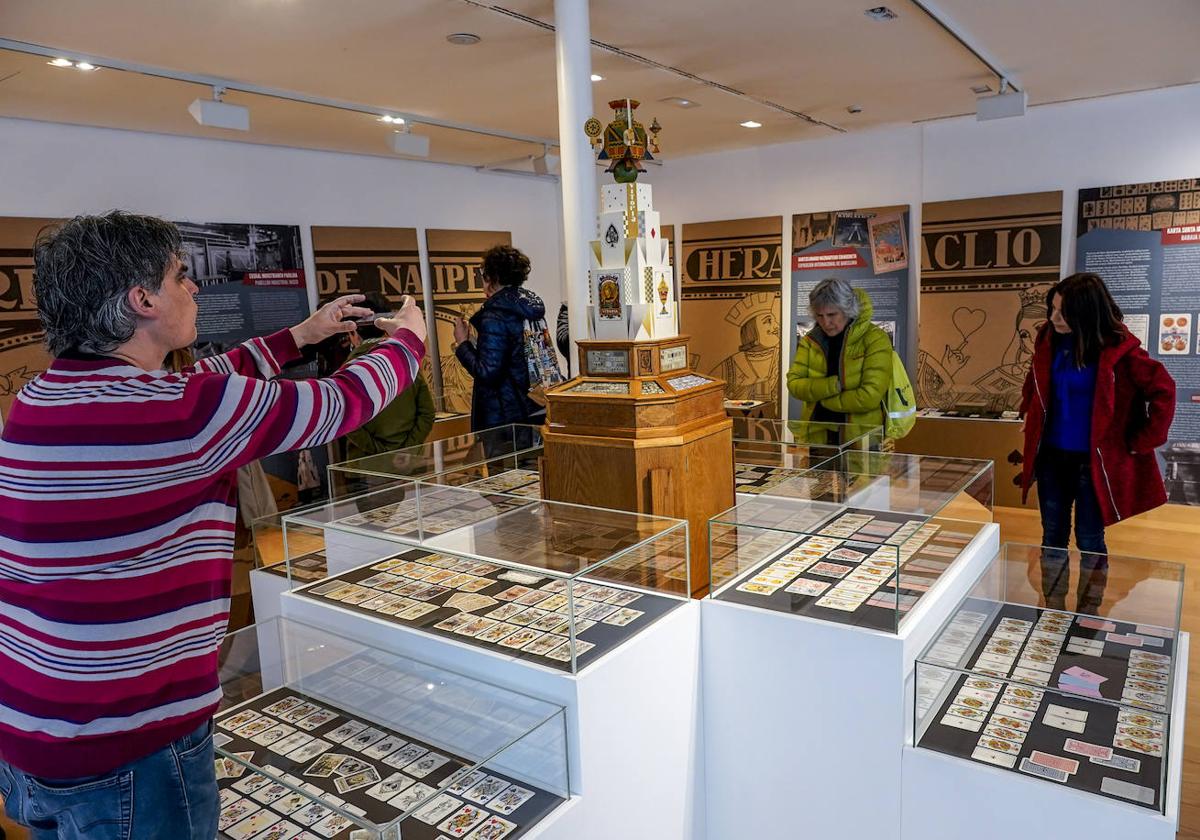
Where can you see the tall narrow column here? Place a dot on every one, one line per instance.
(578, 179)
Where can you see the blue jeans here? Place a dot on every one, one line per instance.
(171, 793)
(1064, 482)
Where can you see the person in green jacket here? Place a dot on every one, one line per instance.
(843, 365)
(405, 422)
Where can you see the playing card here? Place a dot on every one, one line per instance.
(1063, 723)
(1016, 712)
(437, 809)
(1005, 732)
(830, 570)
(1127, 790)
(275, 733)
(425, 765)
(332, 825)
(1065, 712)
(238, 720)
(959, 722)
(316, 720)
(1050, 773)
(384, 747)
(804, 586)
(236, 811)
(254, 824)
(1131, 718)
(499, 631)
(390, 786)
(251, 783)
(365, 738)
(999, 745)
(291, 802)
(346, 731)
(492, 828)
(326, 765)
(1118, 762)
(485, 790)
(1056, 762)
(623, 617)
(282, 830)
(1144, 746)
(405, 756)
(1000, 759)
(292, 742)
(280, 707)
(521, 638)
(267, 795)
(1084, 748)
(1123, 639)
(510, 799)
(410, 796)
(462, 821)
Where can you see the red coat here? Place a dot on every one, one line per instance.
(1131, 413)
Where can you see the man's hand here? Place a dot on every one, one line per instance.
(461, 330)
(408, 317)
(330, 319)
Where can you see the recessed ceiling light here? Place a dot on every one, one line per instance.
(596, 77)
(463, 39)
(881, 13)
(84, 65)
(750, 124)
(60, 62)
(854, 109)
(980, 90)
(680, 102)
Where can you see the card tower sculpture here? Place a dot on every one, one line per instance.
(638, 429)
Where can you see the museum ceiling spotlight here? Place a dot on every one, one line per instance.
(463, 39)
(596, 77)
(680, 102)
(1004, 104)
(85, 66)
(750, 124)
(880, 13)
(404, 142)
(388, 118)
(213, 113)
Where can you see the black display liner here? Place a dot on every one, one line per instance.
(1101, 723)
(312, 567)
(605, 637)
(539, 806)
(875, 618)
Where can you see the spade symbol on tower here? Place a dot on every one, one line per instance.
(611, 236)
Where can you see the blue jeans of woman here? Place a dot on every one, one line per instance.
(1064, 482)
(171, 793)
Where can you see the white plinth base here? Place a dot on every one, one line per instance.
(265, 589)
(805, 720)
(632, 716)
(946, 796)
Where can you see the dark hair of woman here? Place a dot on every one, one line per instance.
(1091, 313)
(505, 265)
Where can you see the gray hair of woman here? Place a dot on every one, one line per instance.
(836, 293)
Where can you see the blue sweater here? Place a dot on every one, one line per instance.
(1072, 392)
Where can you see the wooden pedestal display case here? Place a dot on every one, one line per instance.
(639, 431)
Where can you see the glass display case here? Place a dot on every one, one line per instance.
(767, 452)
(463, 459)
(322, 735)
(271, 556)
(554, 583)
(858, 540)
(1060, 665)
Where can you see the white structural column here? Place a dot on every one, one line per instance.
(573, 53)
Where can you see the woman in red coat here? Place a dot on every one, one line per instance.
(1096, 406)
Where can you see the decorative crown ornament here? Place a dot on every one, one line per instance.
(624, 141)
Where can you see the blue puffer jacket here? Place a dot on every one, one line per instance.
(496, 359)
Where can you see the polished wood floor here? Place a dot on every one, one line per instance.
(1170, 533)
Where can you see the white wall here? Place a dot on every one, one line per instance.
(1116, 140)
(50, 169)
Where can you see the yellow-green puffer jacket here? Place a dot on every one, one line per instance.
(865, 371)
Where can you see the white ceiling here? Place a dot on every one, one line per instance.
(811, 56)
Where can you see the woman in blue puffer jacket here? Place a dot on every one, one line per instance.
(496, 358)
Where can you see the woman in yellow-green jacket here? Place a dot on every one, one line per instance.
(843, 365)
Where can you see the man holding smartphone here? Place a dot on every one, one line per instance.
(117, 506)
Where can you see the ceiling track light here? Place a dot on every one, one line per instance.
(750, 124)
(388, 118)
(213, 113)
(596, 77)
(85, 66)
(404, 142)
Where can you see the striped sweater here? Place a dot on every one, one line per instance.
(117, 506)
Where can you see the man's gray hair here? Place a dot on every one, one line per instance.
(836, 293)
(84, 269)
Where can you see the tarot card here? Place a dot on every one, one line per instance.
(239, 720)
(384, 747)
(464, 779)
(543, 645)
(382, 602)
(623, 617)
(410, 796)
(405, 756)
(255, 727)
(598, 612)
(1050, 773)
(830, 602)
(292, 742)
(275, 733)
(475, 626)
(757, 588)
(426, 764)
(510, 799)
(460, 823)
(485, 790)
(622, 598)
(501, 630)
(316, 720)
(1000, 759)
(505, 611)
(453, 623)
(416, 611)
(236, 811)
(326, 765)
(492, 828)
(346, 731)
(527, 616)
(563, 652)
(556, 602)
(469, 602)
(254, 824)
(437, 809)
(477, 584)
(513, 593)
(363, 778)
(550, 623)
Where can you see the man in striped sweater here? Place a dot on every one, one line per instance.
(117, 484)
